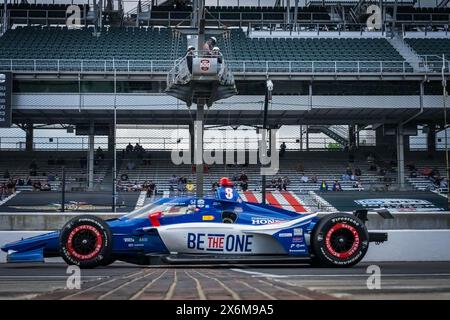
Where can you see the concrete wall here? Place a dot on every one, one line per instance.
(403, 245)
(51, 221)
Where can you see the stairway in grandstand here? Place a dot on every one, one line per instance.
(407, 53)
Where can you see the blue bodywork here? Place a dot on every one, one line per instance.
(134, 235)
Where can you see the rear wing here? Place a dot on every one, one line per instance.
(362, 214)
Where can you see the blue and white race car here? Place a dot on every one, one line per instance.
(223, 229)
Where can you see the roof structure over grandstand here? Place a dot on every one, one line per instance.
(312, 60)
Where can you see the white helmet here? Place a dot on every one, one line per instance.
(216, 49)
(191, 48)
(214, 39)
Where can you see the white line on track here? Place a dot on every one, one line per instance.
(43, 277)
(343, 275)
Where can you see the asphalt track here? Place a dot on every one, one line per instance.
(407, 280)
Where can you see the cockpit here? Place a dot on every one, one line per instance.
(166, 207)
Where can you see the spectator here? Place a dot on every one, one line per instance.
(217, 54)
(273, 183)
(46, 187)
(214, 186)
(151, 189)
(208, 46)
(348, 171)
(124, 177)
(282, 149)
(304, 178)
(136, 186)
(180, 185)
(337, 186)
(29, 182)
(137, 148)
(190, 57)
(243, 177)
(129, 148)
(323, 186)
(413, 174)
(100, 154)
(300, 168)
(345, 177)
(352, 177)
(11, 186)
(357, 185)
(244, 185)
(358, 172)
(20, 182)
(172, 182)
(190, 186)
(314, 179)
(443, 184)
(37, 186)
(284, 183)
(6, 175)
(235, 177)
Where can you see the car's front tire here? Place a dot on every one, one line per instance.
(339, 240)
(86, 241)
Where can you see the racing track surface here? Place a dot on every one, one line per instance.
(412, 280)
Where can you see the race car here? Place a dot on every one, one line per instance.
(223, 229)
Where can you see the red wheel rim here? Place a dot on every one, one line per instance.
(84, 242)
(342, 240)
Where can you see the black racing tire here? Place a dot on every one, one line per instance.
(339, 240)
(86, 241)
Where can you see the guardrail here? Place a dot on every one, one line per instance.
(237, 66)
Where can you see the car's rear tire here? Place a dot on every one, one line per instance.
(339, 240)
(86, 241)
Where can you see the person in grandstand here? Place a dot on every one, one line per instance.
(190, 57)
(217, 54)
(323, 186)
(208, 46)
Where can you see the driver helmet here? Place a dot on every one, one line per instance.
(225, 182)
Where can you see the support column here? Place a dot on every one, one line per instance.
(192, 142)
(351, 136)
(307, 138)
(431, 139)
(29, 135)
(301, 138)
(91, 157)
(400, 158)
(111, 139)
(198, 129)
(5, 16)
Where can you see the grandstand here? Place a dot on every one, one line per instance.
(342, 92)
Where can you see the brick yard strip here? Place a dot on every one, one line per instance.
(140, 292)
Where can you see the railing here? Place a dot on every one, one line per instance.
(163, 66)
(267, 67)
(434, 63)
(81, 143)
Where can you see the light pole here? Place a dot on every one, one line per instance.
(114, 187)
(267, 101)
(444, 101)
